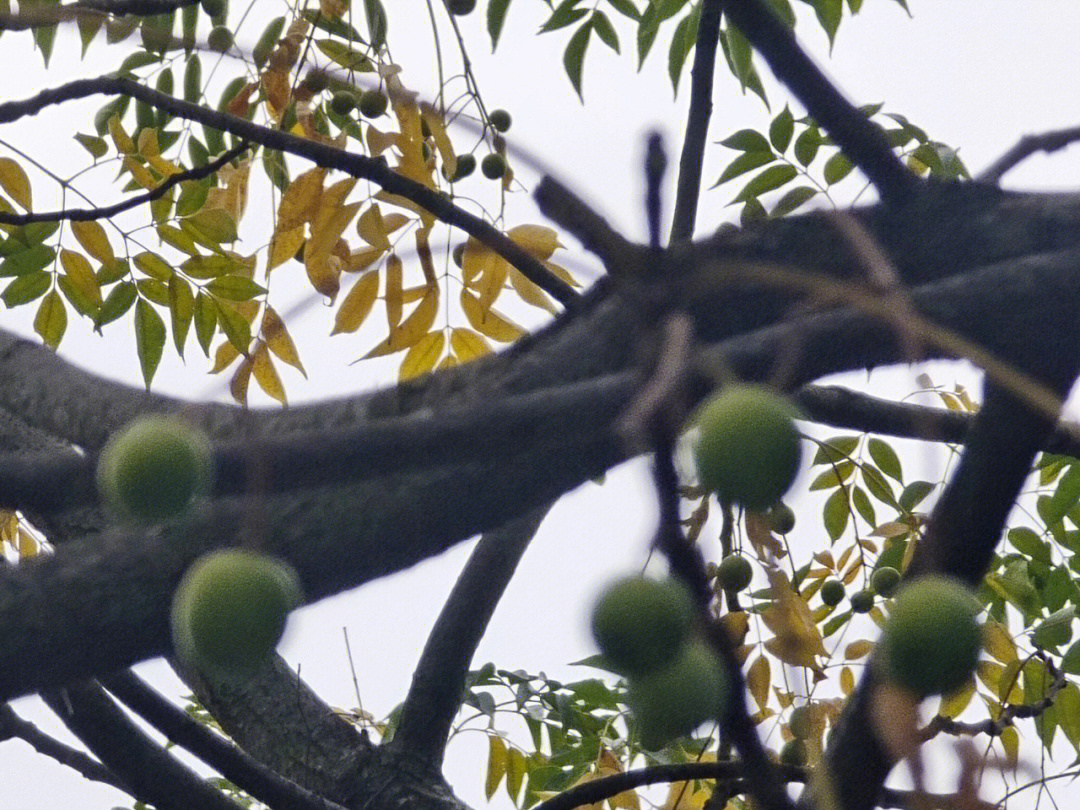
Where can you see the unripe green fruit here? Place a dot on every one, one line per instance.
(373, 103)
(343, 102)
(154, 467)
(466, 165)
(735, 572)
(802, 723)
(316, 80)
(220, 39)
(493, 166)
(748, 449)
(676, 699)
(500, 119)
(230, 608)
(930, 644)
(885, 580)
(793, 753)
(862, 601)
(460, 7)
(213, 8)
(639, 624)
(782, 518)
(832, 592)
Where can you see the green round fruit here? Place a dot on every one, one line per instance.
(782, 518)
(373, 103)
(219, 39)
(748, 449)
(885, 580)
(832, 592)
(466, 165)
(316, 80)
(801, 723)
(793, 753)
(673, 701)
(460, 8)
(930, 643)
(500, 119)
(230, 608)
(735, 572)
(862, 601)
(343, 102)
(154, 467)
(639, 624)
(493, 166)
(213, 8)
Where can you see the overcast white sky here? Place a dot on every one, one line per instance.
(976, 74)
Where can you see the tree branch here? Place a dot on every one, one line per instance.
(361, 166)
(84, 214)
(862, 141)
(11, 725)
(246, 773)
(438, 681)
(697, 122)
(151, 774)
(1027, 146)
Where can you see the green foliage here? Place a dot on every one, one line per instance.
(639, 624)
(153, 468)
(230, 608)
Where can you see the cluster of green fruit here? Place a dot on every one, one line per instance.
(883, 582)
(644, 628)
(748, 449)
(229, 609)
(371, 103)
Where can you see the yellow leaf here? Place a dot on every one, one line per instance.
(998, 642)
(847, 681)
(1010, 741)
(538, 240)
(265, 373)
(489, 322)
(15, 182)
(140, 173)
(235, 179)
(423, 252)
(372, 229)
(758, 680)
(683, 796)
(797, 640)
(563, 273)
(301, 199)
(224, 356)
(378, 141)
(858, 649)
(334, 9)
(362, 259)
(80, 273)
(278, 340)
(283, 245)
(491, 283)
(120, 139)
(627, 800)
(468, 345)
(955, 703)
(93, 239)
(393, 291)
(357, 304)
(413, 328)
(497, 760)
(448, 362)
(238, 385)
(411, 295)
(395, 220)
(323, 271)
(437, 128)
(423, 356)
(427, 219)
(530, 293)
(27, 545)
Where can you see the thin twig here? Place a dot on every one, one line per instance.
(1027, 146)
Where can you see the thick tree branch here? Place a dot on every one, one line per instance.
(249, 775)
(697, 122)
(862, 141)
(438, 681)
(106, 211)
(151, 774)
(374, 169)
(13, 726)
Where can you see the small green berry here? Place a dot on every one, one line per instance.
(220, 39)
(459, 8)
(862, 601)
(801, 723)
(832, 592)
(885, 580)
(343, 102)
(466, 165)
(373, 103)
(500, 119)
(735, 572)
(782, 518)
(493, 166)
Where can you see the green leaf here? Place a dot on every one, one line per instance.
(193, 80)
(149, 338)
(768, 180)
(566, 13)
(116, 303)
(181, 310)
(1065, 497)
(92, 144)
(1028, 542)
(235, 327)
(914, 494)
(835, 449)
(828, 14)
(836, 513)
(747, 140)
(192, 197)
(51, 319)
(153, 290)
(646, 35)
(27, 260)
(376, 21)
(154, 266)
(604, 29)
(807, 145)
(739, 53)
(748, 161)
(26, 288)
(681, 43)
(626, 8)
(863, 506)
(837, 168)
(496, 18)
(781, 129)
(877, 485)
(205, 321)
(885, 458)
(76, 297)
(574, 57)
(792, 200)
(331, 26)
(235, 288)
(345, 56)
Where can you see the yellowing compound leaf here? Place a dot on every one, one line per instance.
(413, 328)
(139, 173)
(224, 356)
(423, 252)
(372, 229)
(51, 319)
(357, 304)
(238, 385)
(530, 293)
(489, 322)
(998, 642)
(265, 373)
(758, 680)
(423, 356)
(538, 240)
(121, 140)
(796, 640)
(81, 274)
(362, 259)
(300, 201)
(15, 182)
(323, 271)
(93, 239)
(468, 345)
(496, 767)
(437, 127)
(278, 340)
(283, 245)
